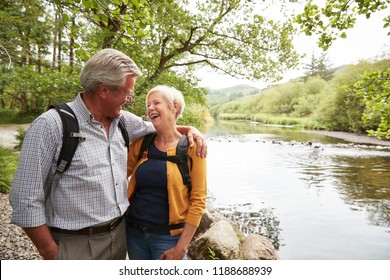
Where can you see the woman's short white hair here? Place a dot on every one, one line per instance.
(171, 95)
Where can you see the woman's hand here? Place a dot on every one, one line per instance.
(175, 253)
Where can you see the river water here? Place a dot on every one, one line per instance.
(315, 197)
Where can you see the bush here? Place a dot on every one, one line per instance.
(8, 163)
(20, 137)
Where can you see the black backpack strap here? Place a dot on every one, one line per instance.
(181, 158)
(145, 144)
(125, 135)
(71, 136)
(182, 155)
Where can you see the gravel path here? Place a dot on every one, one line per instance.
(14, 243)
(8, 134)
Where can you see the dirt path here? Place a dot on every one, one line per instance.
(8, 134)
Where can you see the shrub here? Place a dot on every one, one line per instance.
(8, 163)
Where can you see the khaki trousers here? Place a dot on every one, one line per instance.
(110, 245)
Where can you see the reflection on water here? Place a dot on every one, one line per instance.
(364, 184)
(314, 197)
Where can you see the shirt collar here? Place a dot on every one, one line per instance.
(83, 112)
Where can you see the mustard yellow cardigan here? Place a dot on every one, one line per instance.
(184, 206)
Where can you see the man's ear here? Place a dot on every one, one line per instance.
(102, 90)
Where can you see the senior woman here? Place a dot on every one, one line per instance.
(164, 213)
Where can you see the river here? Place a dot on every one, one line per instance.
(315, 197)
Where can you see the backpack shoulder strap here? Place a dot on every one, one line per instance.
(145, 144)
(125, 135)
(182, 155)
(70, 138)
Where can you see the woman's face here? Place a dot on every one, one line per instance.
(159, 112)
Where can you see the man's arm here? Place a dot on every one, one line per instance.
(137, 127)
(43, 240)
(194, 135)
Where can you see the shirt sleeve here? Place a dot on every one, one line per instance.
(35, 161)
(136, 126)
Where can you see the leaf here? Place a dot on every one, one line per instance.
(136, 4)
(87, 4)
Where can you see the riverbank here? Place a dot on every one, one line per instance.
(352, 137)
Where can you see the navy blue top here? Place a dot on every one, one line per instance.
(149, 206)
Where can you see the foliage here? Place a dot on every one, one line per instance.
(349, 102)
(8, 163)
(368, 97)
(374, 87)
(20, 137)
(220, 96)
(212, 254)
(168, 39)
(24, 32)
(338, 108)
(320, 67)
(119, 20)
(30, 92)
(332, 20)
(294, 99)
(254, 47)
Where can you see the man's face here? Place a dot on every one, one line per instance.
(118, 98)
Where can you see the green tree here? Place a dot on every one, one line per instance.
(331, 22)
(339, 108)
(118, 20)
(253, 47)
(375, 90)
(337, 16)
(168, 39)
(24, 32)
(321, 67)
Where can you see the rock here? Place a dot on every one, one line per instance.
(218, 238)
(219, 242)
(257, 247)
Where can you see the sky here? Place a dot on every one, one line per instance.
(366, 40)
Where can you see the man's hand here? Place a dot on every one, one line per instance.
(43, 240)
(194, 135)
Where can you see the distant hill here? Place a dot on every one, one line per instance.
(223, 95)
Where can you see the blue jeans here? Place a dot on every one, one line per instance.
(148, 246)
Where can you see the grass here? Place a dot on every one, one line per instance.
(15, 117)
(8, 164)
(305, 123)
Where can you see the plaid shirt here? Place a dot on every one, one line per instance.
(94, 188)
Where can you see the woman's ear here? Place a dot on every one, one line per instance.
(176, 106)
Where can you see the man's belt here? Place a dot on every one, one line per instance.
(91, 230)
